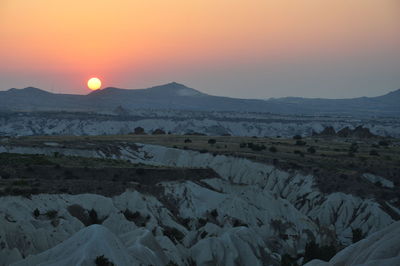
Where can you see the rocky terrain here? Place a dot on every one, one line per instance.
(186, 122)
(381, 248)
(250, 213)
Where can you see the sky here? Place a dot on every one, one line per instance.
(236, 48)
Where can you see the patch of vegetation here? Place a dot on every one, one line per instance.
(20, 183)
(288, 260)
(373, 153)
(51, 214)
(313, 251)
(174, 234)
(237, 223)
(297, 137)
(103, 261)
(311, 150)
(256, 147)
(357, 235)
(383, 143)
(139, 131)
(140, 171)
(273, 149)
(212, 141)
(36, 213)
(353, 148)
(301, 143)
(214, 213)
(131, 216)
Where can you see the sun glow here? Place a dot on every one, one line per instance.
(94, 83)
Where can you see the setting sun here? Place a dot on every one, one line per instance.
(94, 83)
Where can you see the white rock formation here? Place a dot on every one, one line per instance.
(82, 249)
(380, 248)
(182, 122)
(378, 179)
(254, 214)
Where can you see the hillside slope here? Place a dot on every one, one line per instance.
(177, 96)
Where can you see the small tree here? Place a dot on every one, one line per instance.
(36, 213)
(212, 141)
(357, 235)
(103, 261)
(139, 131)
(298, 137)
(300, 143)
(353, 148)
(311, 150)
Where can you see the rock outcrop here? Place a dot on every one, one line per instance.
(253, 214)
(380, 248)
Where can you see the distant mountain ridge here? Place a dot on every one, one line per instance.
(178, 96)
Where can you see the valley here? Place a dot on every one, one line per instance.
(191, 198)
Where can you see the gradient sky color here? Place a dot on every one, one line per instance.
(238, 48)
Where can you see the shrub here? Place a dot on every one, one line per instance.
(201, 222)
(131, 216)
(373, 153)
(140, 171)
(188, 141)
(299, 153)
(36, 213)
(300, 143)
(237, 223)
(139, 131)
(287, 260)
(63, 190)
(357, 235)
(173, 234)
(212, 141)
(383, 143)
(297, 137)
(273, 149)
(158, 131)
(256, 147)
(20, 183)
(51, 214)
(243, 145)
(353, 147)
(311, 150)
(103, 261)
(313, 251)
(93, 219)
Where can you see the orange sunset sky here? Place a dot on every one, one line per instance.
(238, 48)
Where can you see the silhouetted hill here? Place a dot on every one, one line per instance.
(178, 96)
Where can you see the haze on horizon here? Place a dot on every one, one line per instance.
(242, 49)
